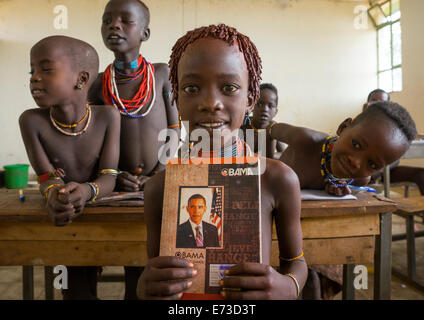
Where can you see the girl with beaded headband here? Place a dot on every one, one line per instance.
(67, 140)
(215, 74)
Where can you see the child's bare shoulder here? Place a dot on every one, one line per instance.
(106, 112)
(161, 71)
(279, 176)
(32, 118)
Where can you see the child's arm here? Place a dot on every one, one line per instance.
(163, 277)
(261, 281)
(58, 211)
(291, 135)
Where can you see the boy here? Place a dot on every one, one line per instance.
(265, 110)
(397, 173)
(72, 146)
(141, 92)
(215, 74)
(377, 137)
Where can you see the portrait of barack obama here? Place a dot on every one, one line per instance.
(196, 233)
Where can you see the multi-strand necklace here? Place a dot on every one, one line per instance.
(130, 107)
(58, 125)
(327, 147)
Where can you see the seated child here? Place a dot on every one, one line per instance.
(397, 173)
(142, 93)
(377, 137)
(265, 110)
(72, 146)
(215, 74)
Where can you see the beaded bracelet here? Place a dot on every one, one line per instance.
(290, 275)
(46, 192)
(95, 191)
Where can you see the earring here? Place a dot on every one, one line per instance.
(80, 86)
(247, 119)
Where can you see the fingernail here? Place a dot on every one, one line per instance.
(189, 284)
(191, 265)
(180, 295)
(193, 272)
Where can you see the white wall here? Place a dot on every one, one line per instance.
(322, 66)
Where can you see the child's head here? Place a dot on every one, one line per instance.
(376, 138)
(215, 73)
(376, 95)
(62, 68)
(125, 25)
(266, 107)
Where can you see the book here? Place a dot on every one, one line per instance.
(227, 199)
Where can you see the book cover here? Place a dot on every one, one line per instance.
(225, 200)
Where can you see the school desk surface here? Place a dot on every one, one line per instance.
(345, 232)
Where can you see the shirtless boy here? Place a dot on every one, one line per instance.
(72, 146)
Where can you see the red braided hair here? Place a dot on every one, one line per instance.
(229, 35)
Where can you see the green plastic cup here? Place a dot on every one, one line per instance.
(16, 176)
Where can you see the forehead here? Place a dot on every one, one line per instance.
(197, 201)
(209, 56)
(379, 96)
(268, 94)
(128, 7)
(49, 50)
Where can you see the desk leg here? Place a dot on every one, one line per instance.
(28, 282)
(48, 283)
(348, 277)
(383, 259)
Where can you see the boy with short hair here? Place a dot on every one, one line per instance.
(265, 110)
(72, 146)
(215, 74)
(142, 93)
(377, 137)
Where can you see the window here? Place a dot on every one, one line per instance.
(385, 15)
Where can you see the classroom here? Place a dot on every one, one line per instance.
(323, 56)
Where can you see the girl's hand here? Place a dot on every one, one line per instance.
(337, 191)
(256, 281)
(165, 278)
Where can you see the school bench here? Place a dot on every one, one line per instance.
(345, 232)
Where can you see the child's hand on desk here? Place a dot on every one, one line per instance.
(165, 278)
(337, 191)
(130, 183)
(59, 210)
(256, 281)
(75, 194)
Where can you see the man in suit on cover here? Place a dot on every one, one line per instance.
(196, 233)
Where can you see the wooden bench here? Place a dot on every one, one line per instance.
(408, 208)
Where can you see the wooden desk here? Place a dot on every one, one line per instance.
(335, 232)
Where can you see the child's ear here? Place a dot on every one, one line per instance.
(145, 34)
(344, 125)
(82, 80)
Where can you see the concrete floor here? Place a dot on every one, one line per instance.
(11, 277)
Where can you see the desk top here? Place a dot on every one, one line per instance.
(33, 208)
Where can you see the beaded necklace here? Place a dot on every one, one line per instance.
(327, 147)
(87, 107)
(147, 88)
(53, 121)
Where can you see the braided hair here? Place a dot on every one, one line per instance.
(229, 35)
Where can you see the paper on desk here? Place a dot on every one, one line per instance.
(308, 194)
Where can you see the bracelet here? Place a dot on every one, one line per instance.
(111, 172)
(292, 259)
(46, 192)
(270, 128)
(290, 275)
(174, 126)
(95, 191)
